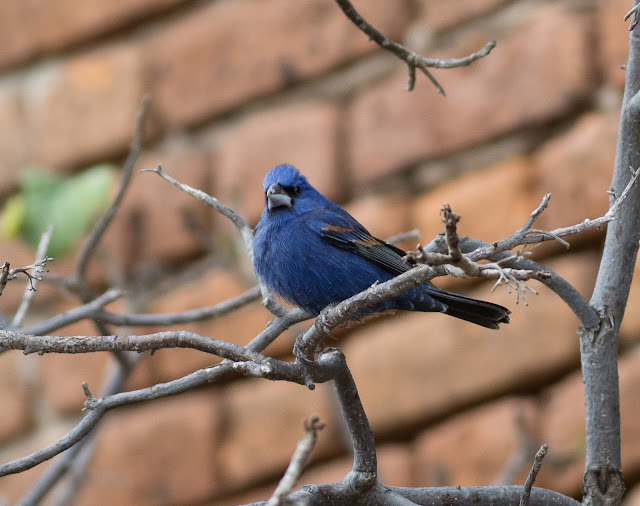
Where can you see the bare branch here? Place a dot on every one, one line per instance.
(89, 310)
(139, 343)
(298, 461)
(7, 274)
(603, 482)
(4, 275)
(242, 226)
(510, 277)
(94, 309)
(41, 256)
(533, 474)
(634, 14)
(245, 230)
(89, 246)
(198, 378)
(339, 493)
(411, 234)
(413, 60)
(74, 460)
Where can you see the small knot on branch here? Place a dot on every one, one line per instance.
(360, 481)
(90, 402)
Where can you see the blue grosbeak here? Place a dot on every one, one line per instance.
(312, 253)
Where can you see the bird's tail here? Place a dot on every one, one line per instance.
(480, 312)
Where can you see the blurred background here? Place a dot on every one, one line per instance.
(238, 86)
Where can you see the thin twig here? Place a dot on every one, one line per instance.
(94, 310)
(520, 456)
(461, 265)
(413, 60)
(298, 461)
(245, 230)
(405, 236)
(533, 473)
(89, 310)
(7, 274)
(41, 255)
(89, 246)
(634, 14)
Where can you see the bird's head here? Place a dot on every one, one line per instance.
(286, 189)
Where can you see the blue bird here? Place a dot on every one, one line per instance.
(311, 252)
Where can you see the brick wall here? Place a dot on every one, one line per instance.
(238, 86)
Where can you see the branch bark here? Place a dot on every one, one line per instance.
(413, 60)
(603, 481)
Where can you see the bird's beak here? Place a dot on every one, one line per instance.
(277, 197)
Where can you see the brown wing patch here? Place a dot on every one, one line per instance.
(338, 229)
(369, 242)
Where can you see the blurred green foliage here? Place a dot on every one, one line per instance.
(71, 204)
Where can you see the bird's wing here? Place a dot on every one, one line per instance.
(343, 231)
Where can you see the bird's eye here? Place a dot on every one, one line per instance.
(297, 190)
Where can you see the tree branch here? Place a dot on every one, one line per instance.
(245, 230)
(75, 458)
(603, 482)
(413, 60)
(97, 407)
(338, 494)
(7, 274)
(94, 310)
(41, 256)
(298, 461)
(88, 248)
(139, 343)
(533, 474)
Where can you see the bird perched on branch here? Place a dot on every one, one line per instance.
(311, 252)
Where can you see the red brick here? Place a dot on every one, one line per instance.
(32, 27)
(629, 371)
(493, 202)
(17, 416)
(238, 327)
(149, 227)
(383, 215)
(13, 133)
(263, 425)
(474, 448)
(632, 497)
(613, 39)
(576, 169)
(395, 465)
(61, 376)
(84, 108)
(443, 14)
(415, 367)
(518, 84)
(159, 453)
(303, 134)
(15, 485)
(223, 54)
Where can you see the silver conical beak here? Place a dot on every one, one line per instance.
(277, 197)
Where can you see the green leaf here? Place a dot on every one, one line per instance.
(71, 205)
